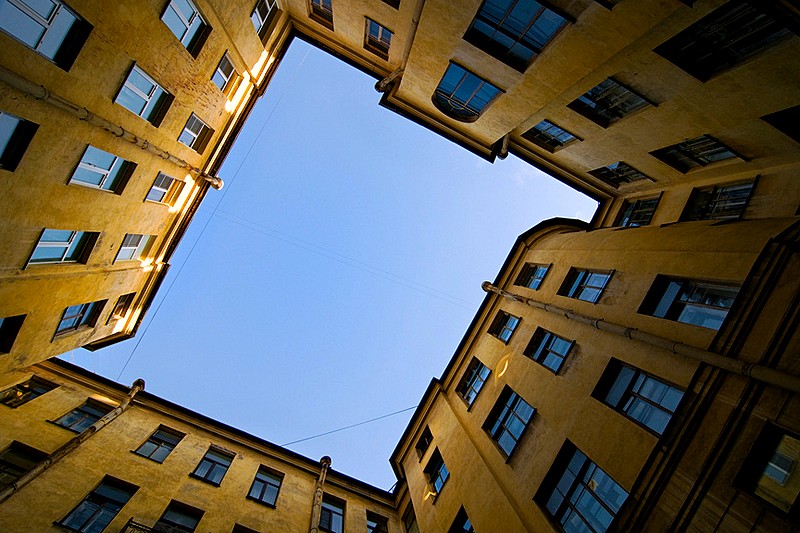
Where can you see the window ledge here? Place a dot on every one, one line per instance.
(66, 428)
(260, 502)
(204, 480)
(146, 457)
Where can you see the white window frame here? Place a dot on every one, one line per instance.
(75, 237)
(379, 43)
(187, 23)
(148, 98)
(104, 172)
(194, 135)
(7, 134)
(45, 23)
(256, 16)
(134, 246)
(228, 78)
(168, 191)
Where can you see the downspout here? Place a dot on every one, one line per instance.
(316, 509)
(761, 373)
(71, 445)
(386, 82)
(41, 93)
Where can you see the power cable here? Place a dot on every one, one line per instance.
(346, 260)
(351, 426)
(203, 230)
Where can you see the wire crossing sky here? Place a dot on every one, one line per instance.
(337, 273)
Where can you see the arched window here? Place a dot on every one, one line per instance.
(462, 95)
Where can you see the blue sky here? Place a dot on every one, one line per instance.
(335, 274)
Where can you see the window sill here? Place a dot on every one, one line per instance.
(377, 51)
(146, 457)
(63, 427)
(164, 204)
(59, 335)
(204, 480)
(261, 502)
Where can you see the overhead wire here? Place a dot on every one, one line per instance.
(346, 260)
(208, 220)
(350, 426)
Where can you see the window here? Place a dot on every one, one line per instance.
(549, 136)
(237, 528)
(586, 285)
(770, 469)
(641, 397)
(462, 95)
(548, 349)
(508, 420)
(165, 189)
(134, 247)
(532, 276)
(78, 316)
(619, 173)
(160, 444)
(694, 153)
(410, 520)
(723, 38)
(638, 213)
(196, 134)
(100, 507)
(9, 329)
(436, 472)
(26, 391)
(186, 23)
(786, 121)
(102, 170)
(84, 416)
(47, 26)
(377, 39)
(461, 524)
(503, 326)
(514, 31)
(331, 517)
(141, 95)
(578, 495)
(225, 77)
(608, 102)
(424, 441)
(702, 303)
(15, 136)
(472, 382)
(178, 517)
(718, 203)
(262, 16)
(63, 246)
(394, 3)
(213, 467)
(17, 460)
(377, 523)
(322, 12)
(122, 306)
(265, 486)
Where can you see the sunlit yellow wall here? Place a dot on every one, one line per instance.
(38, 195)
(565, 408)
(109, 452)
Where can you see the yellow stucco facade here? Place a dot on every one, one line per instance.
(120, 452)
(652, 351)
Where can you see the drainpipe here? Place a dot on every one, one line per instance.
(71, 445)
(41, 93)
(761, 373)
(383, 84)
(316, 509)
